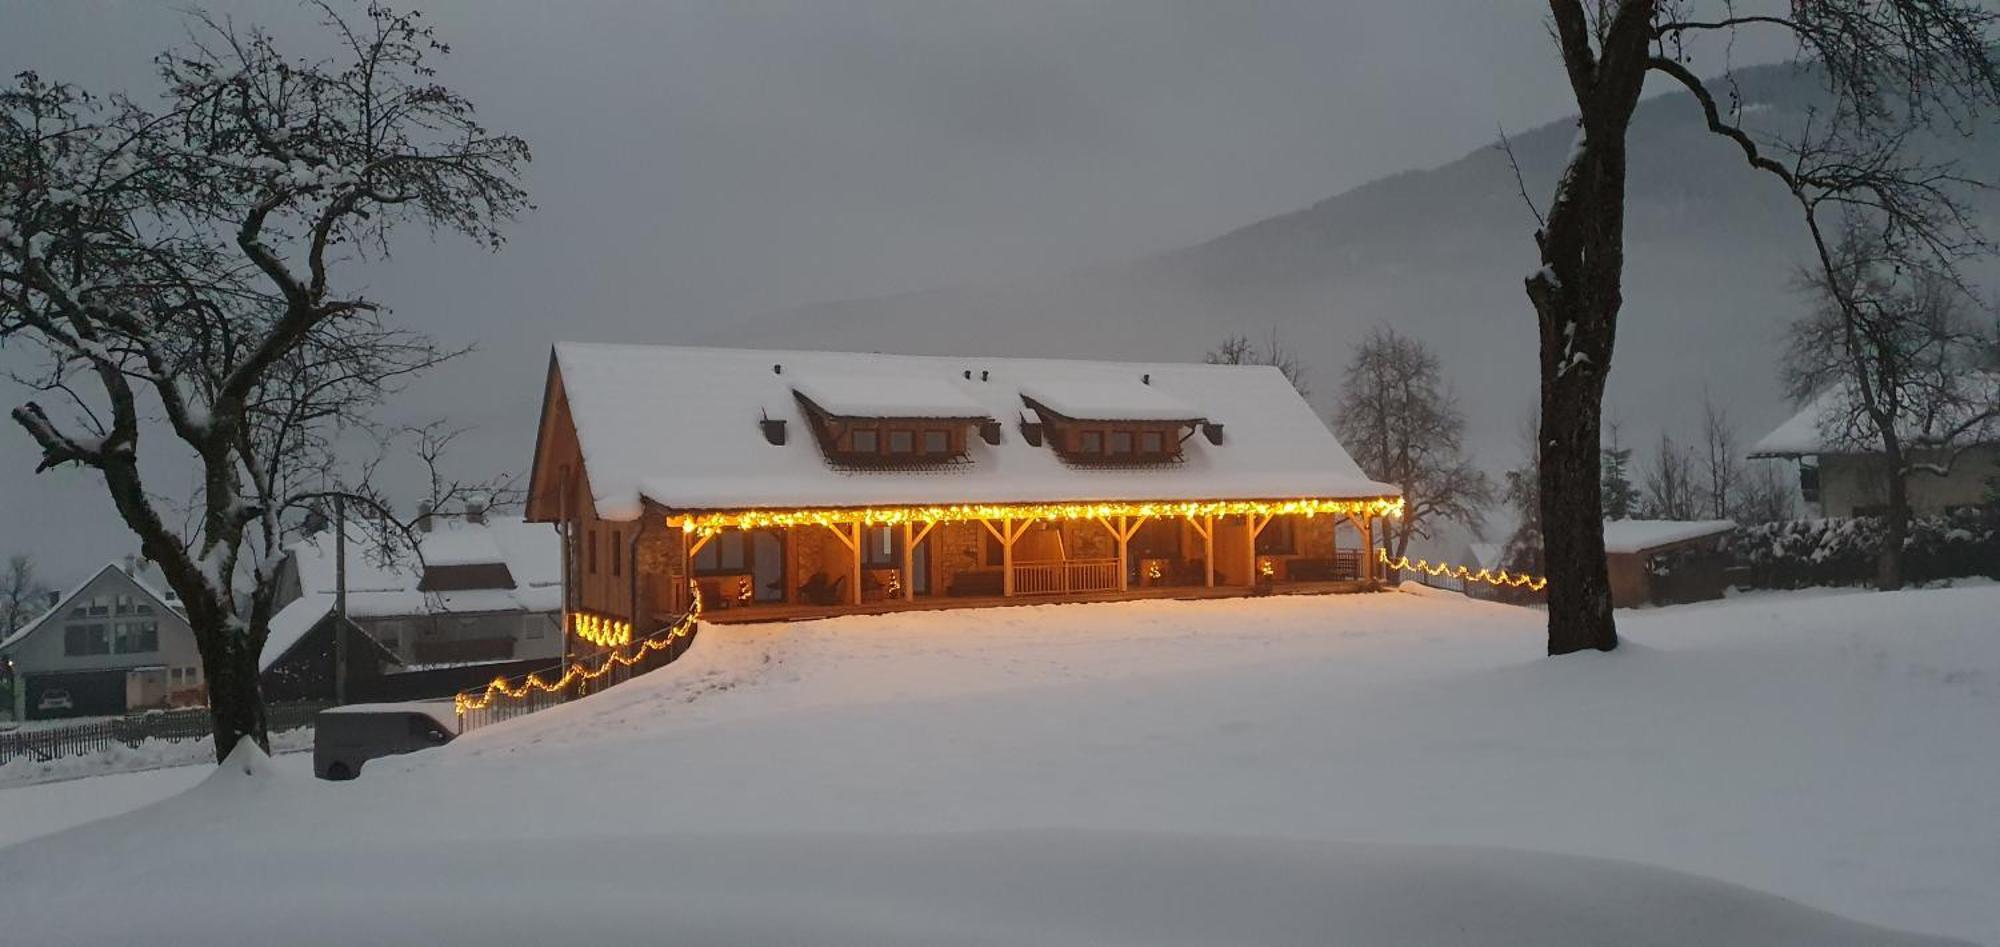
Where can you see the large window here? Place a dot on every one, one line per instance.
(617, 554)
(1090, 442)
(135, 637)
(937, 442)
(724, 554)
(1152, 442)
(1278, 538)
(1156, 539)
(863, 440)
(86, 639)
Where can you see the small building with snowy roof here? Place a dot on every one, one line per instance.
(1842, 469)
(480, 587)
(1665, 562)
(787, 483)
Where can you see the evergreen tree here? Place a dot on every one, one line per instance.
(1620, 497)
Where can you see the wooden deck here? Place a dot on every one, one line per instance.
(748, 614)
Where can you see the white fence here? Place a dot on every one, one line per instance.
(1063, 576)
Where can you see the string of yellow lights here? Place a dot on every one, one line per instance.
(1501, 579)
(893, 515)
(574, 673)
(602, 631)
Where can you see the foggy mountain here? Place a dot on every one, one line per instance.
(1712, 252)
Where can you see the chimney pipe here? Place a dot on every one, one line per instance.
(424, 512)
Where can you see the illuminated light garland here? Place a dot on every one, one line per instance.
(658, 641)
(893, 515)
(602, 631)
(1501, 579)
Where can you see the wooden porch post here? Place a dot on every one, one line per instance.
(909, 560)
(1368, 548)
(1006, 558)
(1124, 582)
(1252, 528)
(854, 550)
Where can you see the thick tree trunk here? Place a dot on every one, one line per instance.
(1573, 525)
(235, 696)
(1895, 529)
(1577, 294)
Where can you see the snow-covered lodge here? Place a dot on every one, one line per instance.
(796, 483)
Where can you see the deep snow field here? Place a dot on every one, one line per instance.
(1397, 768)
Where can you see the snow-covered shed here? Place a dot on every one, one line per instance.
(1636, 552)
(776, 478)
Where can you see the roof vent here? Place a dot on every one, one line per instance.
(1031, 431)
(778, 369)
(983, 374)
(989, 431)
(1213, 431)
(968, 374)
(774, 430)
(1146, 379)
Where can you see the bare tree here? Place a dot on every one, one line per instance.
(1522, 490)
(1891, 355)
(1672, 491)
(1893, 66)
(1721, 461)
(182, 262)
(23, 596)
(1239, 350)
(1766, 496)
(1404, 427)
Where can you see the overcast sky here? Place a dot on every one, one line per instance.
(701, 162)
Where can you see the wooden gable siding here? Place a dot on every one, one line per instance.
(600, 551)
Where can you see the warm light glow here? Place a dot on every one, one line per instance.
(1500, 579)
(1267, 568)
(600, 630)
(745, 591)
(659, 641)
(895, 584)
(891, 515)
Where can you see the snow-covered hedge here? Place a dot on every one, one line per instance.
(1797, 553)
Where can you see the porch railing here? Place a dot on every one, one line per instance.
(1063, 576)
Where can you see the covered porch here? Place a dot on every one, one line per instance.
(765, 565)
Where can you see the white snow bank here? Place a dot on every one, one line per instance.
(984, 889)
(1837, 750)
(148, 755)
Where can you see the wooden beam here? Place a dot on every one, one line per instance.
(1007, 537)
(1368, 549)
(1123, 536)
(1253, 526)
(854, 593)
(909, 561)
(1208, 549)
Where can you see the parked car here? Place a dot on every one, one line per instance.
(346, 737)
(55, 698)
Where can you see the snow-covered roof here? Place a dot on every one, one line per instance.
(1826, 425)
(865, 396)
(1118, 399)
(1632, 536)
(679, 426)
(166, 600)
(531, 551)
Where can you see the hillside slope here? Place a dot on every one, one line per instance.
(1712, 251)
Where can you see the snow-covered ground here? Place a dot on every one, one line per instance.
(1397, 768)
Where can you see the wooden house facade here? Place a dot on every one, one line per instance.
(784, 484)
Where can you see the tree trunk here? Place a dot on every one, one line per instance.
(1577, 294)
(235, 696)
(1573, 525)
(1895, 529)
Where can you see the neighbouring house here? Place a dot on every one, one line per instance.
(482, 588)
(1666, 562)
(117, 642)
(791, 483)
(1842, 471)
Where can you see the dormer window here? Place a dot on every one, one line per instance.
(1113, 426)
(855, 440)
